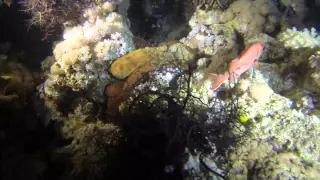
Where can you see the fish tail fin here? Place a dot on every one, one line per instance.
(219, 79)
(213, 76)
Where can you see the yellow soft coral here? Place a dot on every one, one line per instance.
(125, 65)
(167, 54)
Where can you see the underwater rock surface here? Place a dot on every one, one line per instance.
(123, 108)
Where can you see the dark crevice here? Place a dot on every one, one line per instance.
(155, 20)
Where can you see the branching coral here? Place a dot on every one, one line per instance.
(52, 15)
(295, 39)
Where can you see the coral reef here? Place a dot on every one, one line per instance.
(73, 92)
(301, 67)
(271, 120)
(277, 128)
(149, 112)
(94, 143)
(296, 12)
(252, 17)
(136, 63)
(274, 51)
(294, 39)
(187, 115)
(311, 80)
(52, 15)
(86, 51)
(210, 39)
(163, 55)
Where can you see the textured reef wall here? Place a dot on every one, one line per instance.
(278, 108)
(86, 51)
(76, 76)
(251, 128)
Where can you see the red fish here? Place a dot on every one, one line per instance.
(219, 79)
(247, 60)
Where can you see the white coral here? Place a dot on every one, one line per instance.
(252, 17)
(88, 48)
(294, 39)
